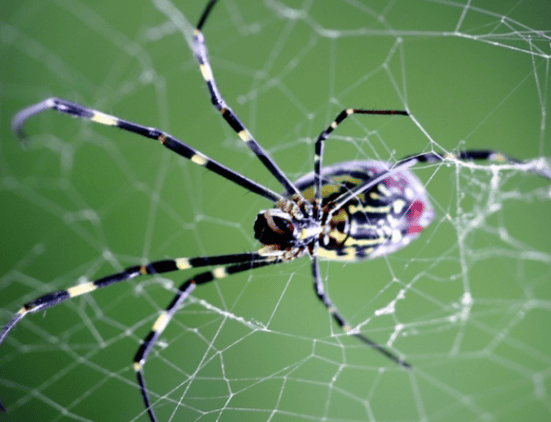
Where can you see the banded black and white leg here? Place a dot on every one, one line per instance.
(536, 167)
(200, 51)
(322, 296)
(157, 267)
(431, 157)
(168, 141)
(225, 266)
(164, 318)
(318, 157)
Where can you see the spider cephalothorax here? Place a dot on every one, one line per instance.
(285, 236)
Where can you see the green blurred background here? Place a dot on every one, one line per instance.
(83, 201)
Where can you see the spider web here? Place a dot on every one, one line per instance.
(467, 304)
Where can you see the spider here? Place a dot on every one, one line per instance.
(350, 211)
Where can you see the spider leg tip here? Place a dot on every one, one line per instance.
(23, 140)
(20, 134)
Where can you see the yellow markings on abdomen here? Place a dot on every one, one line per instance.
(104, 119)
(364, 242)
(338, 236)
(81, 289)
(348, 255)
(385, 209)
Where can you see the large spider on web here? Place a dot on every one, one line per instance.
(351, 211)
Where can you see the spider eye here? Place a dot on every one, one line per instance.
(273, 227)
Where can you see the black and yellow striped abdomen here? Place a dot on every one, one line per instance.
(384, 218)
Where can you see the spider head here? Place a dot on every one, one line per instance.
(275, 227)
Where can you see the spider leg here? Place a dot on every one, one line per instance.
(320, 292)
(156, 267)
(164, 318)
(167, 140)
(200, 51)
(340, 201)
(244, 261)
(431, 157)
(325, 134)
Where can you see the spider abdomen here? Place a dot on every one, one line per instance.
(384, 218)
